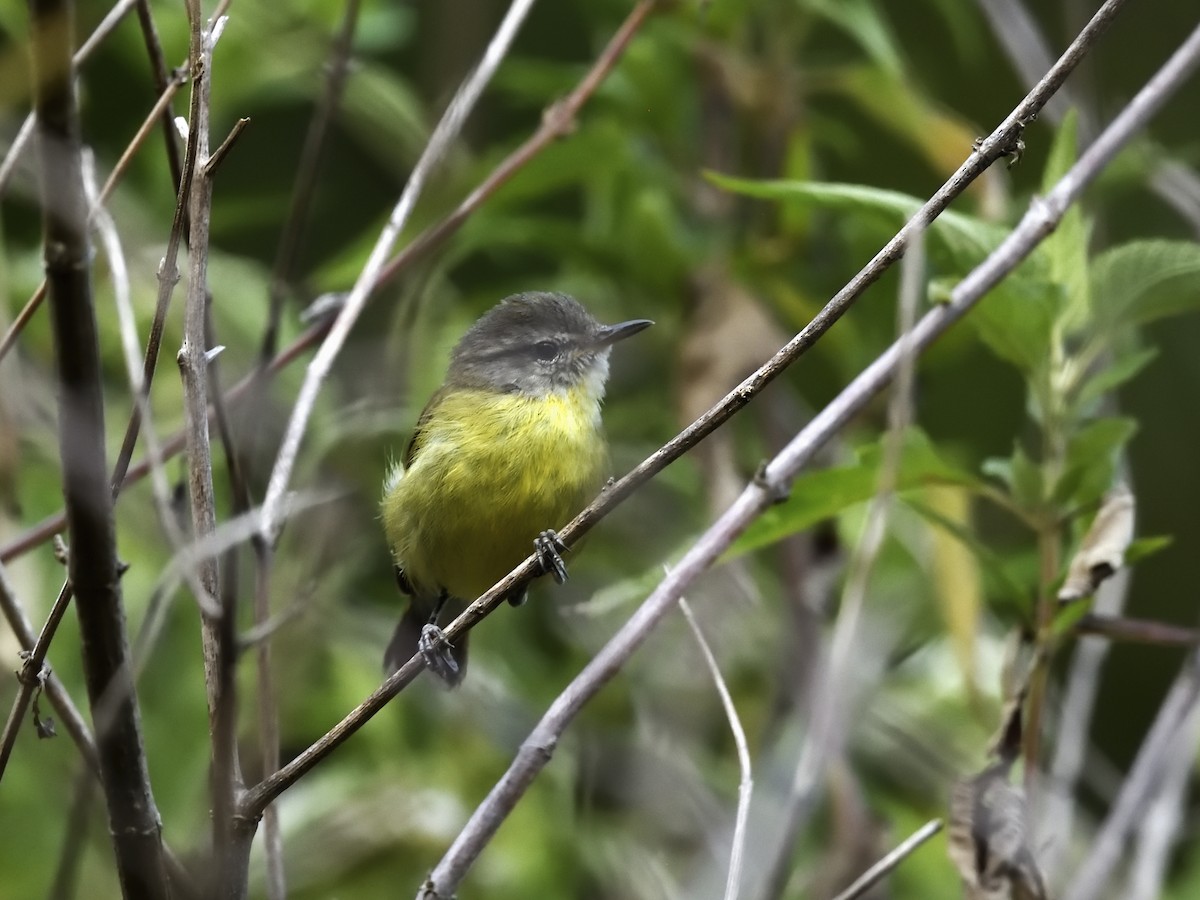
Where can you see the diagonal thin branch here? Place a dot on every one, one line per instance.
(557, 122)
(884, 867)
(53, 524)
(162, 76)
(1040, 220)
(110, 21)
(35, 301)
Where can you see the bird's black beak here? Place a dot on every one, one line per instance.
(610, 334)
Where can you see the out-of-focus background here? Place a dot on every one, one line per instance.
(854, 104)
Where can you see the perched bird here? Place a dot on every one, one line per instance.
(509, 447)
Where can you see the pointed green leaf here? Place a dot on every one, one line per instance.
(816, 496)
(862, 21)
(1016, 322)
(1067, 247)
(1112, 377)
(1091, 460)
(1140, 548)
(999, 580)
(962, 240)
(1020, 474)
(1142, 281)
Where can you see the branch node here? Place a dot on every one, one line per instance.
(226, 145)
(777, 490)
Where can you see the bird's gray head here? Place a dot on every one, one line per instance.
(537, 344)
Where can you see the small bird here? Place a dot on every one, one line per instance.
(510, 446)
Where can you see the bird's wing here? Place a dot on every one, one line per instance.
(417, 440)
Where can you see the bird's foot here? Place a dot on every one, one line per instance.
(436, 651)
(549, 549)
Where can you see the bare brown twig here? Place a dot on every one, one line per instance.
(557, 122)
(158, 68)
(1141, 631)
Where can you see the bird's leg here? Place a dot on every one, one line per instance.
(549, 549)
(435, 648)
(438, 607)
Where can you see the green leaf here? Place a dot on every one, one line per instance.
(816, 496)
(1147, 546)
(1091, 460)
(1143, 281)
(1016, 322)
(1067, 247)
(963, 240)
(1021, 475)
(999, 580)
(1068, 615)
(1112, 377)
(862, 21)
(931, 129)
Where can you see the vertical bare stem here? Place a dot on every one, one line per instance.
(217, 632)
(92, 567)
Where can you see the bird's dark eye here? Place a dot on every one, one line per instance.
(545, 350)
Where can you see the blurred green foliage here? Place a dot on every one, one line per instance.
(741, 163)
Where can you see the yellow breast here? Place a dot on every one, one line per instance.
(491, 471)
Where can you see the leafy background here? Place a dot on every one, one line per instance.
(831, 120)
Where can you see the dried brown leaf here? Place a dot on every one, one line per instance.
(1102, 551)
